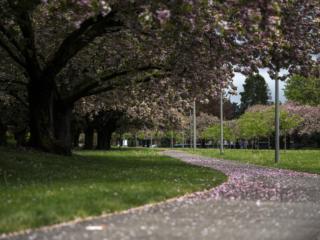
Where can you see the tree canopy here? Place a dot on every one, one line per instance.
(303, 90)
(56, 52)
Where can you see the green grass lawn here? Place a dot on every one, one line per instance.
(298, 160)
(39, 189)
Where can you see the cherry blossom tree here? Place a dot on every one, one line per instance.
(203, 121)
(134, 107)
(310, 115)
(261, 119)
(70, 26)
(65, 50)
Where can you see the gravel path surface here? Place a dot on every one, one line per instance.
(255, 203)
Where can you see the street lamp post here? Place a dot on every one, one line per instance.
(221, 122)
(277, 121)
(191, 131)
(194, 126)
(136, 140)
(183, 139)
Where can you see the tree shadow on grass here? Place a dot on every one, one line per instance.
(37, 189)
(24, 168)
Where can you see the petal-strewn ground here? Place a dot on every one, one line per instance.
(255, 203)
(250, 182)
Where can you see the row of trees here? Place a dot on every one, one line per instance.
(253, 127)
(55, 53)
(257, 123)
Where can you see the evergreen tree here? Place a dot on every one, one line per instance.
(212, 107)
(255, 92)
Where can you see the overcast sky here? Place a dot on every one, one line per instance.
(239, 80)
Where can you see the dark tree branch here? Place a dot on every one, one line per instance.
(80, 38)
(147, 78)
(81, 91)
(101, 90)
(114, 75)
(23, 10)
(18, 98)
(10, 37)
(4, 78)
(84, 88)
(11, 52)
(12, 92)
(30, 51)
(23, 5)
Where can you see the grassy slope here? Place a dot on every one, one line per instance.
(38, 189)
(298, 160)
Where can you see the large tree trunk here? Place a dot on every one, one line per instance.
(62, 126)
(121, 141)
(203, 143)
(104, 139)
(76, 136)
(41, 118)
(285, 142)
(21, 137)
(171, 140)
(109, 138)
(45, 134)
(3, 135)
(136, 143)
(88, 140)
(106, 126)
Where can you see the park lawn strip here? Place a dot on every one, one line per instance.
(38, 189)
(297, 160)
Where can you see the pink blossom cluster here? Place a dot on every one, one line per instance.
(163, 15)
(310, 114)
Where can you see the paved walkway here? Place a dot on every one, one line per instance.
(255, 203)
